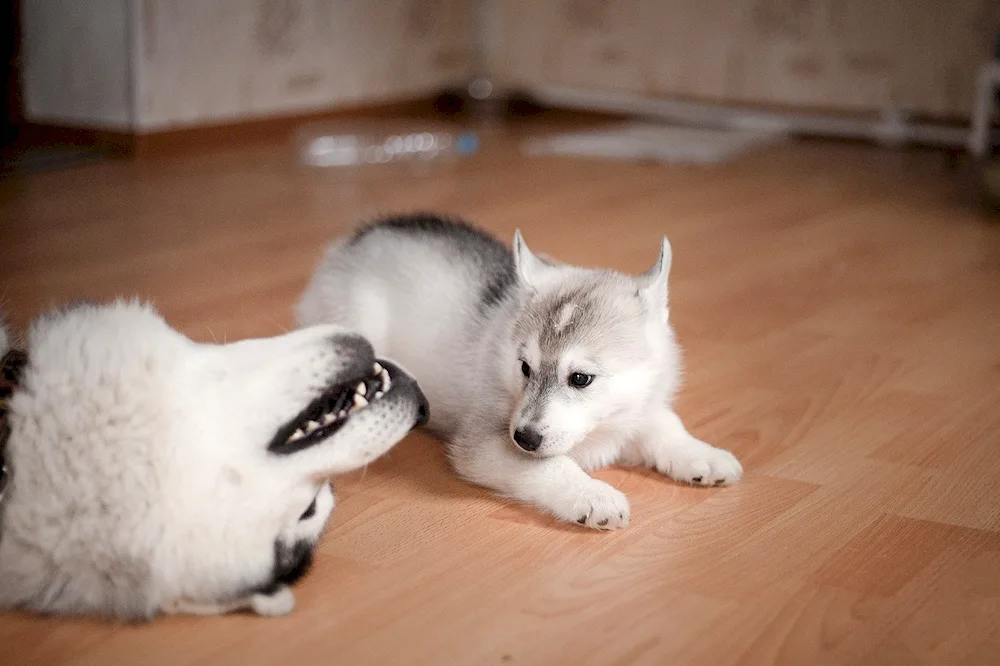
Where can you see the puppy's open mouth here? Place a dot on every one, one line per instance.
(330, 411)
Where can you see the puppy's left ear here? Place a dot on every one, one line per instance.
(531, 269)
(653, 283)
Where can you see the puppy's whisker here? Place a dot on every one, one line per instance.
(282, 327)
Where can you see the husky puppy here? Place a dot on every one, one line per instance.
(145, 473)
(536, 372)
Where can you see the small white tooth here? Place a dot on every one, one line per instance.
(377, 368)
(311, 426)
(328, 419)
(297, 435)
(385, 380)
(378, 394)
(361, 389)
(342, 414)
(359, 401)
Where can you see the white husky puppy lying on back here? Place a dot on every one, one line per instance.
(536, 372)
(144, 473)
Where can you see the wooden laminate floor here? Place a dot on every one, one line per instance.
(840, 310)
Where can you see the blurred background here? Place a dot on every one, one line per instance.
(890, 70)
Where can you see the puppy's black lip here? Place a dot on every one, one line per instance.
(400, 378)
(335, 398)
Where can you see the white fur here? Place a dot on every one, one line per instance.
(423, 305)
(141, 475)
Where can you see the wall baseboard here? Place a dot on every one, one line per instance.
(207, 137)
(550, 102)
(36, 135)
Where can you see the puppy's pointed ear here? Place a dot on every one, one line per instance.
(530, 268)
(653, 283)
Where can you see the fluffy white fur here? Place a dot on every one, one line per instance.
(142, 479)
(469, 320)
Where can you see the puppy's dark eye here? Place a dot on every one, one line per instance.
(580, 380)
(525, 369)
(309, 512)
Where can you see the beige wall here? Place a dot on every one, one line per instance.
(149, 65)
(215, 60)
(158, 64)
(826, 54)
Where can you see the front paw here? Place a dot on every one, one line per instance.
(701, 464)
(281, 602)
(597, 505)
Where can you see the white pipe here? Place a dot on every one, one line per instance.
(982, 116)
(480, 86)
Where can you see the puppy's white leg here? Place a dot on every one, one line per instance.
(187, 607)
(672, 450)
(556, 485)
(280, 602)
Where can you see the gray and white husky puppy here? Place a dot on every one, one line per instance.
(537, 372)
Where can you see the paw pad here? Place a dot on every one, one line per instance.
(597, 505)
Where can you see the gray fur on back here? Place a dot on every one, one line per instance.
(425, 289)
(493, 259)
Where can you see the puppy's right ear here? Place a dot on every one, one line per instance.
(531, 269)
(653, 283)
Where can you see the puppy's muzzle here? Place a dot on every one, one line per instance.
(365, 381)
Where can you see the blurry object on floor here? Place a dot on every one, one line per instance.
(655, 142)
(357, 144)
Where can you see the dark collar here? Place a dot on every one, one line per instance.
(10, 378)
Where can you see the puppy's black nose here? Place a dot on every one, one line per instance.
(528, 439)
